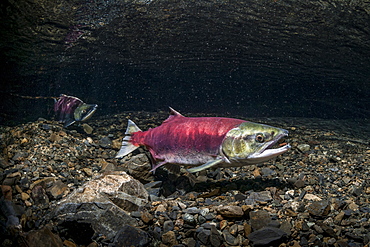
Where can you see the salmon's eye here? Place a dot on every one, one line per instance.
(260, 138)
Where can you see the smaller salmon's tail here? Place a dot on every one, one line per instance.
(127, 147)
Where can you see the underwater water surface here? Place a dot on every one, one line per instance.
(245, 58)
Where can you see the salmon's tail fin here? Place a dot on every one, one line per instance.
(127, 147)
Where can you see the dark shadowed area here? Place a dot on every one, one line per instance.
(248, 58)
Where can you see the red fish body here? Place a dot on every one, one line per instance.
(210, 141)
(185, 140)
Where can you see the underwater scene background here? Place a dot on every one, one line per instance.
(247, 58)
(302, 66)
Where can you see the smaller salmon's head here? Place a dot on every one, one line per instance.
(252, 143)
(84, 111)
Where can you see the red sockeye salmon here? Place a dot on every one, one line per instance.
(204, 142)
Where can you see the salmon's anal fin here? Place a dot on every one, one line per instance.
(207, 165)
(127, 147)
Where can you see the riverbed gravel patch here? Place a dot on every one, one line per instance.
(316, 194)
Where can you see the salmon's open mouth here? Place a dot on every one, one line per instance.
(267, 152)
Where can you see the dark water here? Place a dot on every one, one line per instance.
(246, 58)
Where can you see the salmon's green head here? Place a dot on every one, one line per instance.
(84, 111)
(252, 143)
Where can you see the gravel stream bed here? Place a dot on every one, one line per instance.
(316, 194)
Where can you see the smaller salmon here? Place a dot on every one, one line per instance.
(70, 109)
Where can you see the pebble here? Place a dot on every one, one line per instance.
(299, 183)
(338, 218)
(304, 147)
(240, 197)
(230, 239)
(173, 215)
(201, 219)
(327, 229)
(230, 211)
(55, 137)
(28, 203)
(146, 217)
(319, 208)
(215, 238)
(39, 196)
(266, 236)
(188, 218)
(58, 189)
(259, 219)
(192, 210)
(267, 172)
(258, 197)
(168, 226)
(208, 225)
(312, 197)
(69, 243)
(87, 128)
(105, 142)
(25, 196)
(169, 238)
(161, 208)
(204, 211)
(204, 236)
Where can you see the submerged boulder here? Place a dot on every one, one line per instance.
(102, 204)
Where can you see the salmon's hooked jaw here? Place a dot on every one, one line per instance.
(267, 152)
(84, 111)
(252, 143)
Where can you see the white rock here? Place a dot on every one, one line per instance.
(312, 197)
(103, 202)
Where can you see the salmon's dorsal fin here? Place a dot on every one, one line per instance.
(173, 114)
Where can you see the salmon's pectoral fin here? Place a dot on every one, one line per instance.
(69, 122)
(207, 165)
